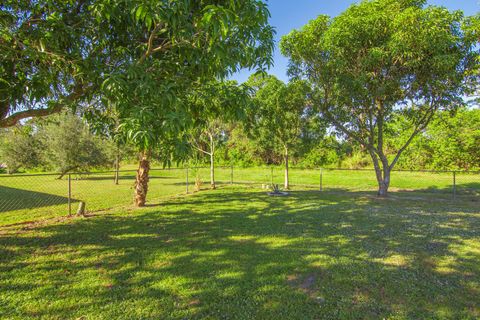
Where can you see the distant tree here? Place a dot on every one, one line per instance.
(221, 102)
(278, 114)
(205, 140)
(456, 140)
(449, 142)
(326, 152)
(381, 57)
(20, 148)
(69, 146)
(240, 150)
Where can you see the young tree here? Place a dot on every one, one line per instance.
(222, 102)
(204, 139)
(279, 113)
(381, 57)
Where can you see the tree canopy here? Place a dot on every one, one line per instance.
(381, 57)
(57, 53)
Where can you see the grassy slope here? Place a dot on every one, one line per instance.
(30, 198)
(239, 254)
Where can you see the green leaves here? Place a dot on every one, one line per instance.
(380, 57)
(383, 55)
(278, 114)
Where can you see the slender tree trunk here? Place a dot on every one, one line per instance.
(286, 185)
(141, 182)
(212, 163)
(117, 165)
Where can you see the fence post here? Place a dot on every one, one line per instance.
(187, 180)
(454, 185)
(321, 179)
(231, 174)
(69, 194)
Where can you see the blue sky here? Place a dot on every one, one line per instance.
(287, 15)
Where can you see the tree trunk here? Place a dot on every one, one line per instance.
(212, 163)
(117, 166)
(141, 182)
(212, 171)
(382, 172)
(286, 185)
(383, 180)
(384, 183)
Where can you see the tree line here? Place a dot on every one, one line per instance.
(374, 80)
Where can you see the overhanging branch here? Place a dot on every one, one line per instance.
(14, 118)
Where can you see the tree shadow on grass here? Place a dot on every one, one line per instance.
(244, 255)
(17, 199)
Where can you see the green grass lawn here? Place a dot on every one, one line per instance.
(235, 253)
(25, 198)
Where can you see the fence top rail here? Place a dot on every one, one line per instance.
(394, 170)
(5, 175)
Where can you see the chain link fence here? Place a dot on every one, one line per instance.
(28, 197)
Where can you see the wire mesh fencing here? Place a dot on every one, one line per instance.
(446, 184)
(28, 197)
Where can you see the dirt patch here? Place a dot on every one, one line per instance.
(306, 284)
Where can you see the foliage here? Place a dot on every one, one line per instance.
(53, 54)
(70, 146)
(20, 148)
(278, 113)
(327, 153)
(449, 143)
(239, 150)
(382, 56)
(190, 43)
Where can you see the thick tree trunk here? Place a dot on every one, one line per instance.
(382, 172)
(286, 184)
(383, 183)
(141, 182)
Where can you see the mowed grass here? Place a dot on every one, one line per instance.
(236, 253)
(36, 197)
(26, 198)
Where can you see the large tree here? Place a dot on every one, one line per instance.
(182, 47)
(382, 57)
(279, 114)
(53, 54)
